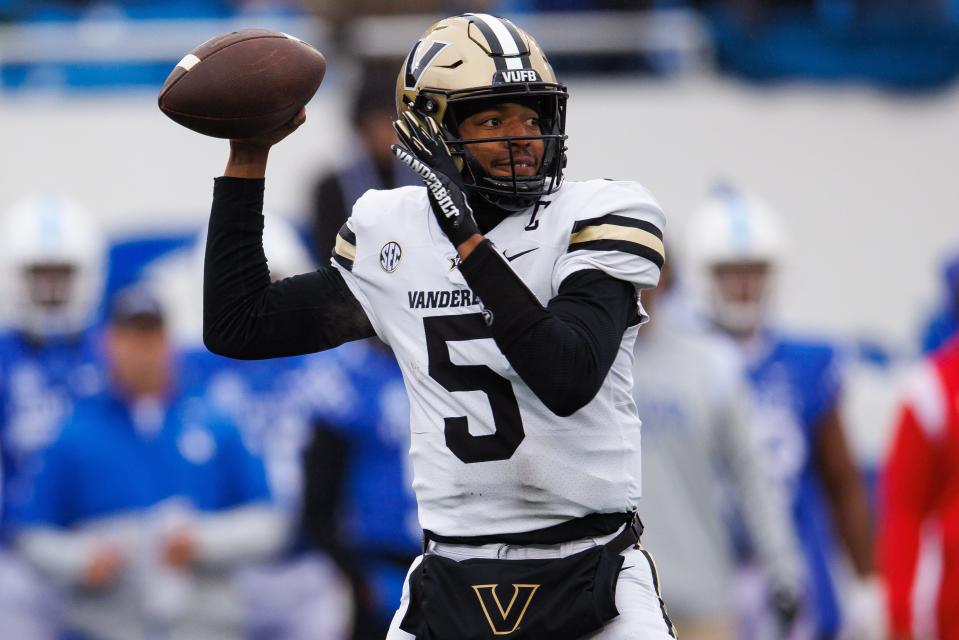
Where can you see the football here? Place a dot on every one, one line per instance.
(242, 84)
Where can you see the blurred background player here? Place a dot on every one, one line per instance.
(736, 244)
(147, 500)
(53, 264)
(369, 164)
(921, 488)
(699, 451)
(359, 504)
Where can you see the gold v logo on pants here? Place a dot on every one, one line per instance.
(504, 621)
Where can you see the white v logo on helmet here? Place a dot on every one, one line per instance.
(415, 66)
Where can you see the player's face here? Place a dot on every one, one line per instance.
(740, 293)
(50, 285)
(742, 283)
(140, 359)
(507, 119)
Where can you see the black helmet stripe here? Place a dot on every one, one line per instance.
(496, 49)
(507, 48)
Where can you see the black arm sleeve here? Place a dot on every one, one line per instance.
(246, 316)
(563, 351)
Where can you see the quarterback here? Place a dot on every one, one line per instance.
(510, 298)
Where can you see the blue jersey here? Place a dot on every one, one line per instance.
(945, 322)
(38, 388)
(942, 326)
(113, 459)
(796, 383)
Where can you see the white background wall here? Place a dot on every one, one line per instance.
(865, 181)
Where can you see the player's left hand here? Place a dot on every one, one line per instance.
(426, 153)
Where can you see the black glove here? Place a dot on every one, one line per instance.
(426, 153)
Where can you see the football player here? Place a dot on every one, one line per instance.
(53, 266)
(511, 300)
(736, 244)
(701, 460)
(148, 500)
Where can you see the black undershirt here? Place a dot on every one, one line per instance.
(563, 352)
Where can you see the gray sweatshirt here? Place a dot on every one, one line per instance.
(698, 451)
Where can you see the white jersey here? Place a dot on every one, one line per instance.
(488, 456)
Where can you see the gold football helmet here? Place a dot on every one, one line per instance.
(473, 59)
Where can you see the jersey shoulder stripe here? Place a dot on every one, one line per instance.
(619, 203)
(623, 221)
(619, 233)
(344, 251)
(615, 226)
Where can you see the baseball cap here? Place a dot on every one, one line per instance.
(136, 307)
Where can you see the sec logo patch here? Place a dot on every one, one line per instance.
(390, 256)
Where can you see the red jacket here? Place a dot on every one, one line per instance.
(921, 481)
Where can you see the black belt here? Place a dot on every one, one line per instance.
(627, 537)
(594, 525)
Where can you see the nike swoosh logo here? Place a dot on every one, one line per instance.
(521, 253)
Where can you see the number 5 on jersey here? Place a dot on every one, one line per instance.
(508, 434)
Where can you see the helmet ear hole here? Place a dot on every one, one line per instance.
(425, 105)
